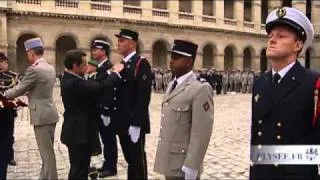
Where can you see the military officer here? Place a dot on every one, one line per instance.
(39, 81)
(9, 78)
(134, 97)
(106, 103)
(186, 120)
(250, 81)
(225, 78)
(283, 98)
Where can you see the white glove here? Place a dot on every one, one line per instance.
(106, 120)
(134, 133)
(189, 173)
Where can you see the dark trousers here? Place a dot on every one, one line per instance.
(110, 149)
(219, 87)
(79, 156)
(11, 139)
(135, 156)
(4, 156)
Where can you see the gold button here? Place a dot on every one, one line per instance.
(182, 150)
(260, 121)
(166, 104)
(162, 115)
(278, 137)
(259, 133)
(279, 124)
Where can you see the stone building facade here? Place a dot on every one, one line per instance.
(230, 33)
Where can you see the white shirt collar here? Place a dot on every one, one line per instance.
(38, 60)
(126, 59)
(100, 64)
(77, 75)
(283, 71)
(182, 78)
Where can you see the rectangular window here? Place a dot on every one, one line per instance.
(247, 10)
(159, 4)
(208, 6)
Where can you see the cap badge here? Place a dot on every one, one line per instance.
(281, 12)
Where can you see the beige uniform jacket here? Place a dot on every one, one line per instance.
(39, 82)
(186, 126)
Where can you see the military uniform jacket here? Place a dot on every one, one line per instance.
(107, 98)
(186, 126)
(134, 96)
(8, 80)
(38, 81)
(78, 127)
(283, 116)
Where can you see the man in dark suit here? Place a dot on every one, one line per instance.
(77, 130)
(132, 109)
(283, 99)
(105, 106)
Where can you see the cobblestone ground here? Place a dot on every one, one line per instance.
(227, 156)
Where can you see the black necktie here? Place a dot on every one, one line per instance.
(276, 78)
(174, 85)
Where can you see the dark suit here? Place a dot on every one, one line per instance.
(282, 115)
(134, 98)
(106, 104)
(77, 129)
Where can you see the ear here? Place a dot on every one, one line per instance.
(74, 66)
(298, 46)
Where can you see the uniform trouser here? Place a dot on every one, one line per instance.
(219, 87)
(4, 158)
(79, 156)
(45, 140)
(11, 151)
(110, 148)
(135, 156)
(225, 88)
(244, 88)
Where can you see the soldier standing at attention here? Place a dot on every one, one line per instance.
(132, 112)
(283, 104)
(187, 118)
(9, 79)
(106, 102)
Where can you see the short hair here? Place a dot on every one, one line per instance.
(73, 57)
(3, 57)
(38, 51)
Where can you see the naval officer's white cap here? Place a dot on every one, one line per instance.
(295, 19)
(33, 43)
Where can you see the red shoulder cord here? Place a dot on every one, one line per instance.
(316, 103)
